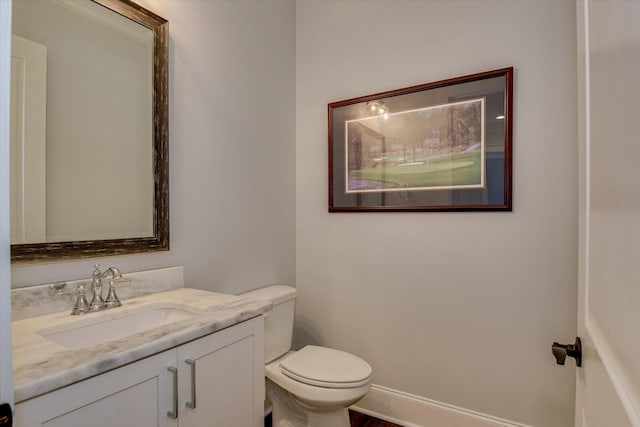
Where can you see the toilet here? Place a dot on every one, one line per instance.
(311, 387)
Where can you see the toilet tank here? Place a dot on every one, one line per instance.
(278, 323)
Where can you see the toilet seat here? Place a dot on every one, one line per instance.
(313, 396)
(326, 367)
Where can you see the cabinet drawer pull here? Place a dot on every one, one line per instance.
(192, 404)
(174, 413)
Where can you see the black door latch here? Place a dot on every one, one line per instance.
(561, 351)
(6, 415)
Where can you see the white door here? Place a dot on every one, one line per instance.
(6, 378)
(609, 288)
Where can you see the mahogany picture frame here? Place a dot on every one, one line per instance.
(440, 146)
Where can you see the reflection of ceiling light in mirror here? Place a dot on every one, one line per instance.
(499, 117)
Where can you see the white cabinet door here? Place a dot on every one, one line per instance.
(139, 394)
(223, 375)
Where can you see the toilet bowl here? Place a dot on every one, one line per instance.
(312, 387)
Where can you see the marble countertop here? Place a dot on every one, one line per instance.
(41, 365)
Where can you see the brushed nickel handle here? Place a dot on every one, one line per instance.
(192, 404)
(174, 413)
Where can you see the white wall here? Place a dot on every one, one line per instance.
(457, 307)
(232, 164)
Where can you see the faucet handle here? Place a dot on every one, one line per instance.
(61, 289)
(112, 297)
(81, 306)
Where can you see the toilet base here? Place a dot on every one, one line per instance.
(288, 412)
(326, 419)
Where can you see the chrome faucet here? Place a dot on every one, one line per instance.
(97, 301)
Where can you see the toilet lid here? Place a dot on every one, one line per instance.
(326, 367)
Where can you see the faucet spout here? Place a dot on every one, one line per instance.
(114, 271)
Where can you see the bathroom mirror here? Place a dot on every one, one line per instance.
(89, 130)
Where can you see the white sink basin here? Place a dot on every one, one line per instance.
(88, 332)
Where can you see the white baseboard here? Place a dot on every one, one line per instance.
(414, 411)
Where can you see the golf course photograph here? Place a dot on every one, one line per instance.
(434, 148)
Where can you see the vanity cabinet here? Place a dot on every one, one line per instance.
(216, 380)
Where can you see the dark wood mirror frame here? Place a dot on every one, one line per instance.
(59, 251)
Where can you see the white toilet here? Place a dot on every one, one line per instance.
(314, 386)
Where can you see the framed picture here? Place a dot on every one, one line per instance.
(442, 146)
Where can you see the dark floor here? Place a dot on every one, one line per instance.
(362, 420)
(357, 420)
